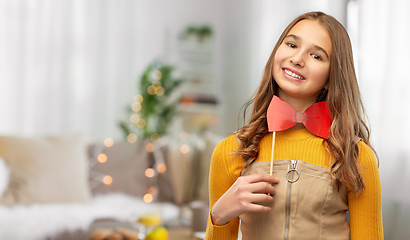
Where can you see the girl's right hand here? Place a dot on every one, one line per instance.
(242, 196)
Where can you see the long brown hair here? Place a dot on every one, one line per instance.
(342, 94)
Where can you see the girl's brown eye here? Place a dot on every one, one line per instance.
(291, 45)
(317, 57)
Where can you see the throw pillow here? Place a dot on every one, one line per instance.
(45, 170)
(183, 169)
(125, 164)
(211, 140)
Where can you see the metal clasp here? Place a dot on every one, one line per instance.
(291, 170)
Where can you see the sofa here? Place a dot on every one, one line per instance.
(61, 187)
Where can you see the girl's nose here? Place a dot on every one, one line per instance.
(297, 60)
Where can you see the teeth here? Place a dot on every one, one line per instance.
(293, 74)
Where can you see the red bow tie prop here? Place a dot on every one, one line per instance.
(316, 118)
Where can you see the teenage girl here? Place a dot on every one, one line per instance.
(296, 183)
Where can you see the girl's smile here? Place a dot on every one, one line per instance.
(293, 74)
(301, 64)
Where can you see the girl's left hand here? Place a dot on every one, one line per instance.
(242, 197)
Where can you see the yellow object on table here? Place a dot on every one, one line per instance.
(158, 233)
(150, 219)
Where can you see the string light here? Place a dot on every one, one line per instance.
(161, 168)
(102, 158)
(148, 198)
(152, 90)
(132, 138)
(156, 83)
(150, 147)
(156, 75)
(141, 123)
(108, 142)
(152, 173)
(153, 191)
(184, 149)
(136, 106)
(138, 98)
(160, 91)
(107, 180)
(149, 172)
(135, 118)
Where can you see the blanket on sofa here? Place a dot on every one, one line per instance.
(40, 221)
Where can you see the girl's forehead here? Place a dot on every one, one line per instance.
(309, 24)
(311, 32)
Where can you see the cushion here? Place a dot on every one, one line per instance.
(51, 169)
(183, 169)
(189, 173)
(165, 193)
(126, 164)
(201, 190)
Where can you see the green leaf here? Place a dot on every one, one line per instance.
(158, 111)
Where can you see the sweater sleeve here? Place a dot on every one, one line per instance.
(366, 209)
(221, 178)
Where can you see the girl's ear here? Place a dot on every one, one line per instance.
(326, 85)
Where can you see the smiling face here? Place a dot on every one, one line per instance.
(301, 64)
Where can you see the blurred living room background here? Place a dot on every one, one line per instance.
(155, 85)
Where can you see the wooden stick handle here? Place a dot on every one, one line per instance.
(273, 152)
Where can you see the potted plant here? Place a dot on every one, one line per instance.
(153, 108)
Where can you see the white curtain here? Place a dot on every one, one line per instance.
(384, 62)
(74, 65)
(67, 65)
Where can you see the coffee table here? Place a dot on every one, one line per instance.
(173, 233)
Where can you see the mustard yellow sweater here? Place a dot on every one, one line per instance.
(365, 210)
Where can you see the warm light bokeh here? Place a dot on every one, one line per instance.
(136, 106)
(153, 191)
(141, 123)
(107, 180)
(184, 149)
(150, 147)
(138, 98)
(160, 91)
(157, 75)
(149, 172)
(102, 158)
(108, 142)
(156, 83)
(148, 198)
(132, 138)
(152, 90)
(135, 118)
(161, 168)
